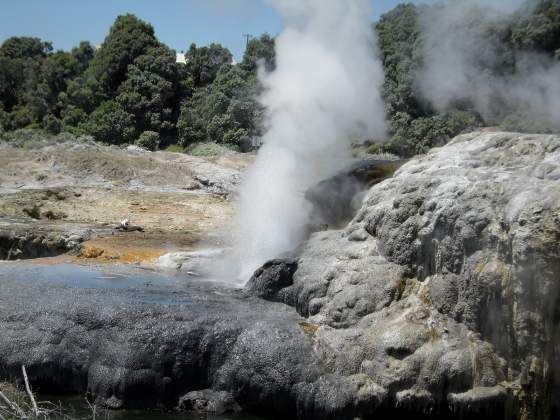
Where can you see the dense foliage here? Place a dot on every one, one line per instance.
(131, 89)
(415, 125)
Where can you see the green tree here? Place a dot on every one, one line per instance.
(225, 111)
(418, 135)
(24, 47)
(128, 38)
(151, 91)
(204, 63)
(260, 51)
(49, 94)
(20, 62)
(414, 126)
(539, 30)
(110, 123)
(83, 54)
(72, 118)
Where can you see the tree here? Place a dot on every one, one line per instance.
(224, 112)
(417, 136)
(83, 54)
(49, 94)
(398, 32)
(72, 118)
(415, 126)
(20, 62)
(110, 123)
(128, 38)
(20, 117)
(260, 51)
(25, 47)
(151, 90)
(204, 63)
(539, 30)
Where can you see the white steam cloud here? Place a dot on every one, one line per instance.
(325, 91)
(460, 38)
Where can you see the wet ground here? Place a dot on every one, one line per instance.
(117, 285)
(77, 408)
(142, 285)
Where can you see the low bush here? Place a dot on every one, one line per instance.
(209, 149)
(148, 140)
(175, 148)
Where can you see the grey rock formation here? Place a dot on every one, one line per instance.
(146, 340)
(208, 401)
(274, 276)
(440, 299)
(335, 200)
(23, 239)
(444, 289)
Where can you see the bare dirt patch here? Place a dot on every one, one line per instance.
(177, 199)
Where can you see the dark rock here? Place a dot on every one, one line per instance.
(129, 228)
(20, 240)
(33, 211)
(209, 401)
(336, 199)
(272, 277)
(145, 346)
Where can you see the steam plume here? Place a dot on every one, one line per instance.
(462, 53)
(324, 92)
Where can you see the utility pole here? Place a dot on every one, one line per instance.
(248, 38)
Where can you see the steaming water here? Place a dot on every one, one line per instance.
(324, 92)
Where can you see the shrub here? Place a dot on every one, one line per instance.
(237, 137)
(24, 136)
(175, 148)
(20, 117)
(4, 119)
(148, 140)
(373, 149)
(523, 122)
(73, 117)
(208, 149)
(85, 138)
(110, 123)
(64, 137)
(417, 136)
(52, 124)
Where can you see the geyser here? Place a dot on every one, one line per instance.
(324, 92)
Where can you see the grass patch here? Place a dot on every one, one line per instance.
(174, 148)
(15, 395)
(209, 149)
(308, 328)
(20, 401)
(32, 138)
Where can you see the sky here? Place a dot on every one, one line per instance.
(177, 23)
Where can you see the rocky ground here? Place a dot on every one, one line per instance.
(438, 300)
(80, 191)
(444, 289)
